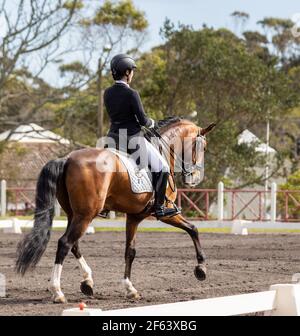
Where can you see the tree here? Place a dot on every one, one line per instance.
(214, 73)
(240, 19)
(292, 183)
(70, 36)
(281, 38)
(116, 26)
(31, 34)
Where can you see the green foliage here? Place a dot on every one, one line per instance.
(151, 82)
(73, 5)
(255, 37)
(292, 183)
(276, 23)
(122, 13)
(227, 79)
(239, 14)
(19, 150)
(280, 38)
(75, 67)
(213, 72)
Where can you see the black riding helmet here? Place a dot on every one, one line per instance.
(120, 64)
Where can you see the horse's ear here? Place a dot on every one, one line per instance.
(208, 129)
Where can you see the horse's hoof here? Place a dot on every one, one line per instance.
(133, 296)
(200, 272)
(60, 299)
(86, 288)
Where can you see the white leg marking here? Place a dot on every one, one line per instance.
(87, 272)
(55, 282)
(130, 290)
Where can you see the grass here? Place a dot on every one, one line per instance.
(274, 230)
(58, 218)
(201, 230)
(168, 229)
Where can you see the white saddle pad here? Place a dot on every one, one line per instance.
(139, 179)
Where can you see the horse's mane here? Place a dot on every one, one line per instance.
(167, 122)
(162, 124)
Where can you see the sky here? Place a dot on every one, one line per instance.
(215, 13)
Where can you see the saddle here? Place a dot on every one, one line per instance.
(140, 179)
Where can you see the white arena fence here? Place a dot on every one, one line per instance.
(239, 227)
(15, 225)
(280, 300)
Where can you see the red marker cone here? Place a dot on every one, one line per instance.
(82, 305)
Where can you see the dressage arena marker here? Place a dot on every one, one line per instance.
(239, 227)
(12, 226)
(280, 300)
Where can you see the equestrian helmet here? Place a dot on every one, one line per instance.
(120, 64)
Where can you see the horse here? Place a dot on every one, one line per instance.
(84, 191)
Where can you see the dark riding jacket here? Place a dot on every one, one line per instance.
(125, 109)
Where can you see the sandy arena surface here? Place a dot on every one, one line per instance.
(162, 271)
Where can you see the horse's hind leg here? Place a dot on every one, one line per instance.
(87, 283)
(74, 231)
(132, 223)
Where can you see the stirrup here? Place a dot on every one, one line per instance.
(178, 209)
(166, 212)
(103, 214)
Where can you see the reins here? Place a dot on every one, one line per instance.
(172, 153)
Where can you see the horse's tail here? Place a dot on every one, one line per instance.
(32, 247)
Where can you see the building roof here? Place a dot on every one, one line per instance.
(32, 133)
(248, 137)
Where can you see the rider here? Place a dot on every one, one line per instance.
(126, 111)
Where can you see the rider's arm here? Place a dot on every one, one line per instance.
(139, 112)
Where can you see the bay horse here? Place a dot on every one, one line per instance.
(83, 191)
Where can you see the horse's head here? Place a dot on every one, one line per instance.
(193, 154)
(189, 144)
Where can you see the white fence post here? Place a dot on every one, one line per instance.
(57, 209)
(287, 300)
(220, 201)
(3, 198)
(273, 201)
(112, 215)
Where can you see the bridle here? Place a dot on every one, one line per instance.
(187, 168)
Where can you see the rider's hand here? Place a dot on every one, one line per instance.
(153, 124)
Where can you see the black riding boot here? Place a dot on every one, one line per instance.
(160, 186)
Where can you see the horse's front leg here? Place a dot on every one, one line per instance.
(180, 222)
(132, 223)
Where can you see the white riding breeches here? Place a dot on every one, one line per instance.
(156, 161)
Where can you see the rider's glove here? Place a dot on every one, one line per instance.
(152, 123)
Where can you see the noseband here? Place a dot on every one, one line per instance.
(187, 169)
